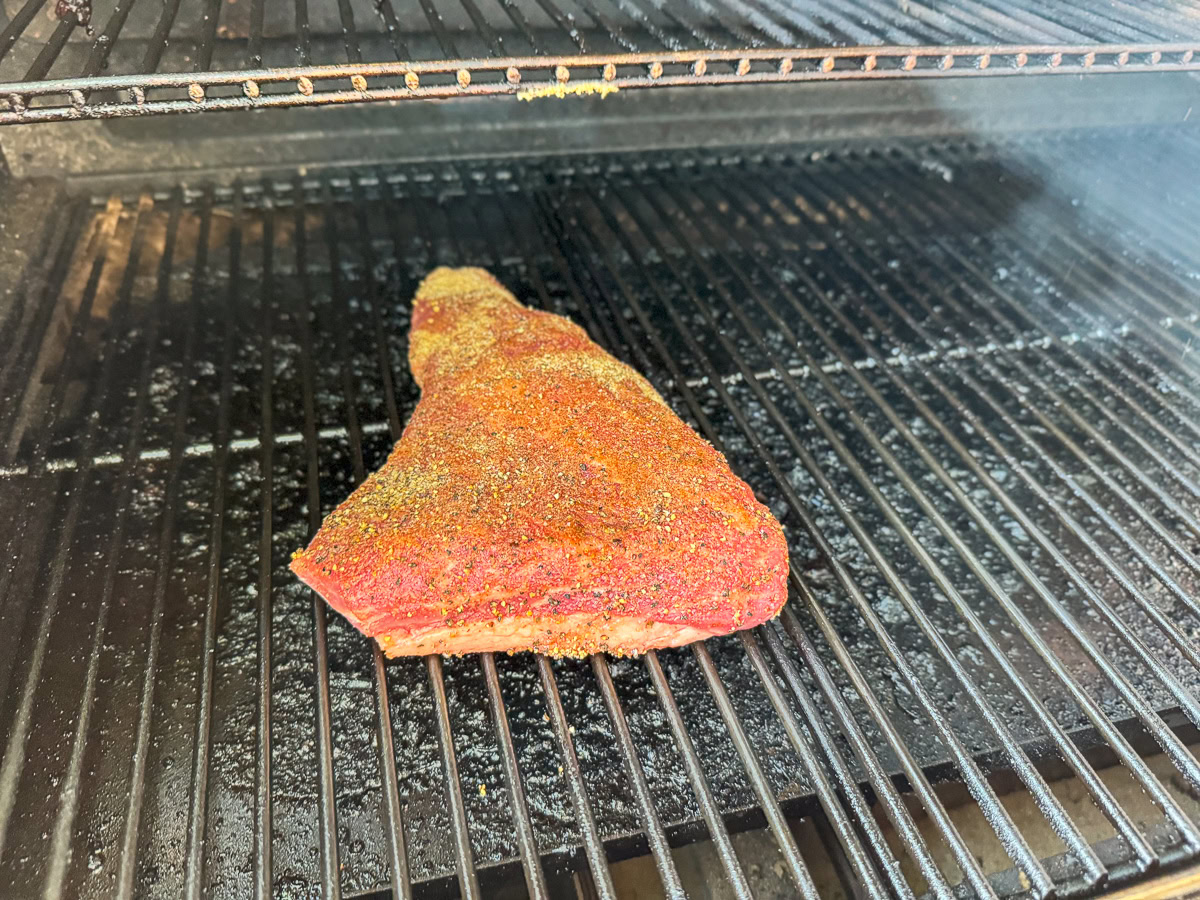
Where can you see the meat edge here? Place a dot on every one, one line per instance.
(574, 634)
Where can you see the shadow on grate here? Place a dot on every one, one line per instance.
(969, 402)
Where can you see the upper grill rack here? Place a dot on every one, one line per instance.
(195, 55)
(977, 421)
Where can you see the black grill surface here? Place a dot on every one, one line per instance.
(962, 378)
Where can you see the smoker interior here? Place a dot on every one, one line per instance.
(960, 375)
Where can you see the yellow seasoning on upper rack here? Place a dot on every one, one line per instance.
(559, 90)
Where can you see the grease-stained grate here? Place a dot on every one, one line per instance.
(136, 59)
(970, 402)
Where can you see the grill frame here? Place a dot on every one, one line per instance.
(387, 56)
(564, 243)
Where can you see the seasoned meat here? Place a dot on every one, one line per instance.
(542, 497)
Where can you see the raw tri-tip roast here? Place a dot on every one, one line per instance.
(543, 497)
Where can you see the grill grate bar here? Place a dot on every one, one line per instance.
(438, 27)
(263, 887)
(254, 43)
(159, 41)
(1123, 305)
(102, 47)
(1081, 492)
(584, 818)
(19, 306)
(202, 754)
(1110, 385)
(758, 779)
(14, 754)
(535, 879)
(1143, 556)
(126, 871)
(866, 754)
(1086, 252)
(1097, 508)
(865, 873)
(32, 308)
(60, 853)
(99, 249)
(1154, 725)
(517, 17)
(468, 880)
(1085, 772)
(483, 27)
(1169, 343)
(989, 804)
(700, 786)
(1044, 798)
(52, 48)
(1176, 688)
(1067, 749)
(391, 26)
(349, 32)
(208, 36)
(338, 433)
(650, 823)
(17, 24)
(902, 819)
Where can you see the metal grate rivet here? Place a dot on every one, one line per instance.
(743, 66)
(513, 74)
(138, 95)
(946, 62)
(910, 62)
(1122, 57)
(304, 83)
(16, 103)
(786, 65)
(985, 60)
(610, 72)
(412, 80)
(870, 63)
(196, 92)
(827, 64)
(1055, 60)
(359, 83)
(251, 89)
(1021, 59)
(1155, 57)
(463, 77)
(655, 69)
(699, 67)
(1089, 59)
(562, 73)
(1185, 58)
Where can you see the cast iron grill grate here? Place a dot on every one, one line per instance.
(131, 59)
(971, 402)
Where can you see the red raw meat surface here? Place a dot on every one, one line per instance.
(542, 497)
